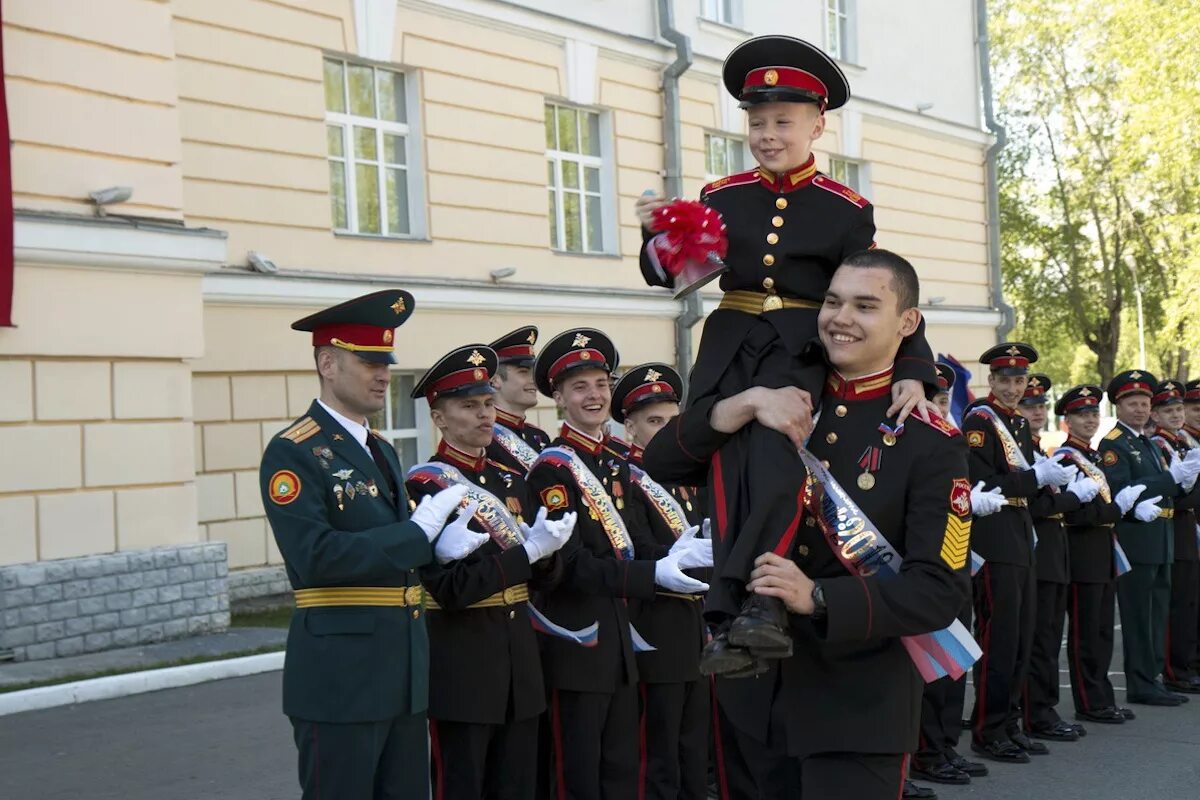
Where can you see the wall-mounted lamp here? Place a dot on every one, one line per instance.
(502, 273)
(109, 196)
(260, 263)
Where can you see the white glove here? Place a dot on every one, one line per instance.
(668, 575)
(986, 502)
(1053, 473)
(457, 540)
(1128, 496)
(706, 529)
(547, 536)
(435, 509)
(1147, 511)
(1185, 470)
(1084, 488)
(692, 552)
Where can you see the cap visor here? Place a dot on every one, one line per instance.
(376, 358)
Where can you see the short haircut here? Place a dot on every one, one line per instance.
(502, 371)
(317, 358)
(905, 283)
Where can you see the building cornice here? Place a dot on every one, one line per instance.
(116, 243)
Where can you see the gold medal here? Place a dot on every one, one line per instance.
(889, 439)
(866, 481)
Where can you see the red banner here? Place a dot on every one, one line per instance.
(6, 205)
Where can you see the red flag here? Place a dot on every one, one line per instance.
(6, 206)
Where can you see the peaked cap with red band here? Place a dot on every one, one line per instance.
(1009, 358)
(1168, 393)
(463, 372)
(1192, 395)
(1035, 390)
(578, 348)
(1133, 381)
(945, 376)
(1079, 398)
(772, 69)
(365, 325)
(516, 347)
(643, 385)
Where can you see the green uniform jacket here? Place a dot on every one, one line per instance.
(346, 663)
(1127, 460)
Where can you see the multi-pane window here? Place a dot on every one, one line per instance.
(367, 138)
(726, 12)
(574, 177)
(723, 155)
(405, 422)
(837, 29)
(846, 172)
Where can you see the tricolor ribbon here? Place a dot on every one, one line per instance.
(514, 445)
(1120, 560)
(863, 550)
(594, 496)
(977, 562)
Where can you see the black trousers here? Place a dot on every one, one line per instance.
(760, 473)
(941, 714)
(1144, 594)
(595, 737)
(1041, 683)
(1005, 601)
(1091, 609)
(1183, 620)
(674, 738)
(386, 760)
(484, 762)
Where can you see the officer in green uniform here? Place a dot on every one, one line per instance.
(356, 672)
(1128, 457)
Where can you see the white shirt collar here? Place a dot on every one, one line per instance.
(355, 429)
(1131, 429)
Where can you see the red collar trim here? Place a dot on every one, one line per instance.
(509, 420)
(580, 440)
(635, 454)
(458, 458)
(868, 387)
(1078, 444)
(1192, 429)
(1166, 434)
(995, 403)
(798, 178)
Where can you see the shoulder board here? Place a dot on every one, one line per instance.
(942, 426)
(845, 192)
(302, 429)
(503, 467)
(1115, 433)
(739, 179)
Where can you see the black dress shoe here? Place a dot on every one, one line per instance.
(1105, 716)
(719, 657)
(1028, 745)
(1187, 687)
(972, 768)
(762, 627)
(941, 772)
(1182, 698)
(1058, 732)
(1007, 752)
(1155, 700)
(1127, 713)
(1082, 731)
(914, 792)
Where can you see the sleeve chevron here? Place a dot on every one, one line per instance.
(956, 542)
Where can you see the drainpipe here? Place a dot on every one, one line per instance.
(691, 307)
(993, 191)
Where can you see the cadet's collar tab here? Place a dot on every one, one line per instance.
(868, 387)
(636, 454)
(1079, 444)
(580, 440)
(995, 403)
(460, 458)
(509, 420)
(798, 178)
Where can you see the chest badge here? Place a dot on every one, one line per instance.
(343, 474)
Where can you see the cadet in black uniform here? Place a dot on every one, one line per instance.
(1128, 457)
(1053, 573)
(1091, 599)
(356, 674)
(517, 441)
(1191, 410)
(1178, 676)
(788, 227)
(1004, 596)
(846, 709)
(675, 699)
(485, 686)
(594, 703)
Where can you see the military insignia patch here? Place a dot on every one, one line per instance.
(956, 544)
(554, 497)
(284, 487)
(975, 438)
(1110, 458)
(960, 497)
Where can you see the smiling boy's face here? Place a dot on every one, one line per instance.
(782, 134)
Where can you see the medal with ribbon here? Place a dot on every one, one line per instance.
(869, 462)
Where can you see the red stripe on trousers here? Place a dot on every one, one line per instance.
(985, 646)
(439, 766)
(785, 544)
(560, 789)
(903, 775)
(722, 778)
(719, 491)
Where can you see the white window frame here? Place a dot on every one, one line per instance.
(606, 196)
(422, 434)
(723, 12)
(861, 182)
(743, 148)
(840, 18)
(413, 166)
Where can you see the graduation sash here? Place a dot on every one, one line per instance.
(863, 550)
(663, 501)
(595, 497)
(505, 531)
(1088, 468)
(514, 445)
(1012, 452)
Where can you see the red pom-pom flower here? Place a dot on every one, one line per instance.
(691, 232)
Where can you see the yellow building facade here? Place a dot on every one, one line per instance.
(484, 155)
